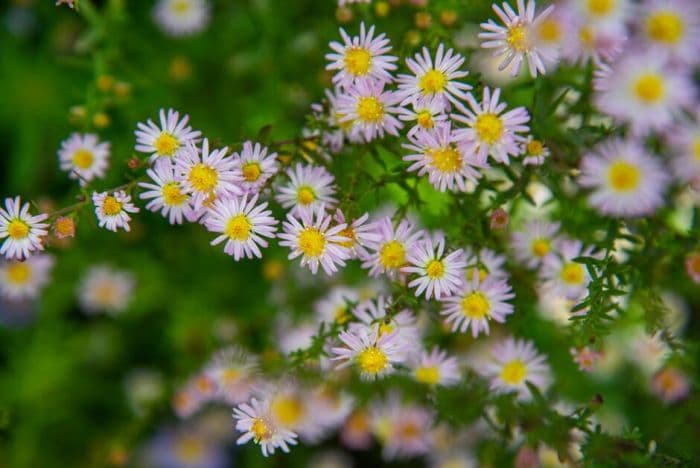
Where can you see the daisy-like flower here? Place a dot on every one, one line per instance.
(112, 209)
(403, 429)
(254, 166)
(166, 193)
(534, 242)
(233, 372)
(84, 157)
(437, 80)
(22, 231)
(604, 12)
(359, 233)
(585, 357)
(361, 58)
(439, 274)
(670, 385)
(479, 302)
(169, 139)
(373, 353)
(517, 39)
(256, 423)
(242, 224)
(309, 187)
(643, 91)
(435, 368)
(207, 175)
(514, 362)
(371, 109)
(485, 262)
(534, 152)
(449, 165)
(427, 114)
(591, 40)
(373, 314)
(328, 410)
(335, 307)
(490, 130)
(562, 275)
(390, 253)
(626, 181)
(684, 140)
(671, 27)
(25, 279)
(312, 239)
(104, 289)
(182, 17)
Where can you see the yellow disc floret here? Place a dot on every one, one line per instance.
(312, 242)
(476, 306)
(203, 178)
(433, 81)
(392, 255)
(665, 26)
(514, 372)
(489, 128)
(82, 159)
(358, 61)
(649, 88)
(238, 228)
(372, 360)
(623, 176)
(111, 206)
(370, 109)
(166, 144)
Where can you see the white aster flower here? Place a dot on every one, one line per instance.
(84, 157)
(359, 233)
(254, 166)
(534, 242)
(233, 372)
(562, 275)
(603, 12)
(371, 109)
(166, 193)
(427, 114)
(534, 152)
(169, 139)
(24, 279)
(373, 313)
(390, 253)
(374, 353)
(487, 263)
(439, 274)
(435, 368)
(243, 225)
(309, 187)
(403, 429)
(22, 231)
(182, 17)
(256, 423)
(104, 289)
(112, 209)
(671, 27)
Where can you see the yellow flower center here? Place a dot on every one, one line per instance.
(665, 26)
(550, 30)
(18, 272)
(435, 269)
(341, 315)
(64, 227)
(587, 35)
(260, 430)
(203, 178)
(514, 372)
(106, 293)
(482, 274)
(392, 255)
(540, 247)
(311, 242)
(429, 375)
(110, 206)
(489, 127)
(82, 159)
(305, 195)
(230, 375)
(517, 38)
(190, 449)
(600, 7)
(433, 81)
(372, 360)
(181, 7)
(172, 195)
(344, 124)
(287, 410)
(238, 228)
(572, 273)
(386, 327)
(370, 110)
(349, 233)
(623, 176)
(696, 148)
(358, 61)
(649, 88)
(18, 229)
(166, 144)
(425, 119)
(476, 305)
(534, 147)
(251, 171)
(447, 159)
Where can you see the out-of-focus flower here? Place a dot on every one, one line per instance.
(670, 385)
(84, 157)
(182, 17)
(562, 275)
(403, 429)
(534, 242)
(24, 279)
(692, 266)
(104, 289)
(435, 368)
(585, 357)
(671, 27)
(64, 227)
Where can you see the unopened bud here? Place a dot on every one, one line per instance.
(134, 163)
(423, 20)
(64, 227)
(499, 219)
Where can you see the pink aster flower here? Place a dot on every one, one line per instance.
(439, 274)
(390, 252)
(435, 368)
(309, 187)
(254, 166)
(371, 109)
(373, 353)
(359, 232)
(166, 193)
(112, 209)
(169, 139)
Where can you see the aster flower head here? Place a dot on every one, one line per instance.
(534, 151)
(335, 306)
(671, 27)
(585, 357)
(22, 231)
(390, 253)
(514, 362)
(404, 429)
(564, 276)
(490, 130)
(84, 157)
(105, 289)
(626, 181)
(254, 420)
(233, 372)
(20, 280)
(374, 313)
(167, 140)
(309, 187)
(371, 108)
(181, 18)
(207, 175)
(516, 39)
(243, 224)
(361, 58)
(603, 12)
(436, 80)
(486, 263)
(477, 304)
(373, 353)
(448, 164)
(313, 239)
(425, 113)
(670, 385)
(359, 231)
(112, 209)
(684, 142)
(254, 166)
(435, 368)
(534, 242)
(599, 42)
(439, 274)
(165, 193)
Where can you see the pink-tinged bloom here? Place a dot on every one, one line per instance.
(562, 275)
(487, 262)
(585, 357)
(534, 242)
(404, 429)
(168, 140)
(372, 313)
(233, 372)
(254, 166)
(371, 109)
(104, 289)
(166, 193)
(692, 266)
(357, 432)
(359, 233)
(670, 385)
(24, 279)
(312, 239)
(684, 142)
(373, 353)
(534, 151)
(84, 157)
(309, 187)
(439, 274)
(437, 81)
(477, 304)
(390, 253)
(243, 224)
(626, 181)
(672, 28)
(207, 175)
(490, 130)
(449, 166)
(435, 368)
(179, 18)
(591, 40)
(112, 210)
(21, 230)
(514, 362)
(427, 114)
(254, 420)
(361, 58)
(517, 39)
